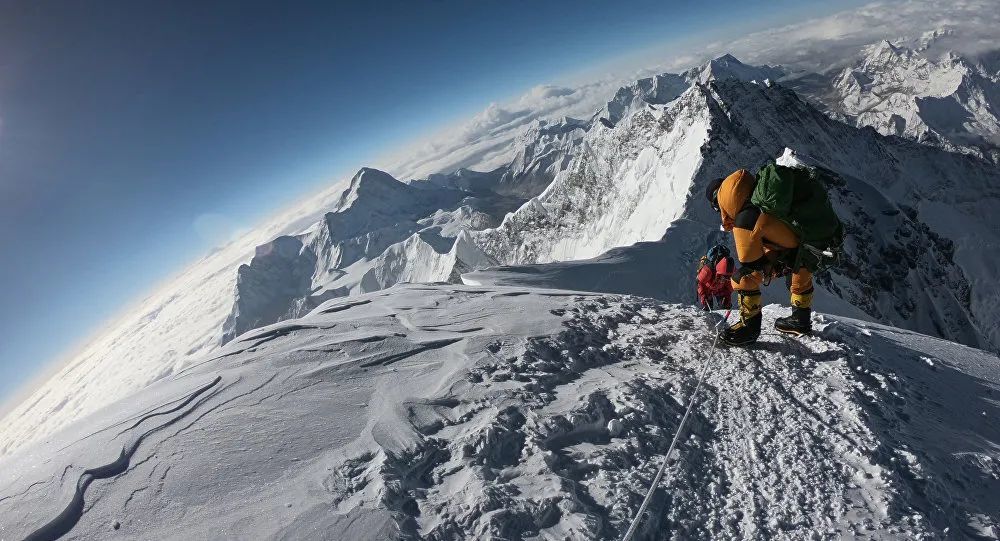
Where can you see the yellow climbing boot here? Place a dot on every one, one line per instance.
(800, 322)
(747, 329)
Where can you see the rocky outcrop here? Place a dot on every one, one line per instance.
(267, 287)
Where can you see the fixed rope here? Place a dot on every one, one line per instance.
(680, 428)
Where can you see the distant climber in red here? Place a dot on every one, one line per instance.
(715, 272)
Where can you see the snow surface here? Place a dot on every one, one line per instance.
(178, 322)
(447, 412)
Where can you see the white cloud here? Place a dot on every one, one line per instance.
(831, 41)
(484, 141)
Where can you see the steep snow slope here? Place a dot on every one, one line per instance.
(628, 184)
(926, 215)
(544, 149)
(455, 412)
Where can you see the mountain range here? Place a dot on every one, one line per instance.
(613, 203)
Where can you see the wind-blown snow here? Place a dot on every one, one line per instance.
(179, 321)
(453, 412)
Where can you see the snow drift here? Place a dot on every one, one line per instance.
(447, 412)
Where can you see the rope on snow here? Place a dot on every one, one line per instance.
(680, 428)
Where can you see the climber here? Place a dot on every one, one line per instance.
(782, 224)
(714, 274)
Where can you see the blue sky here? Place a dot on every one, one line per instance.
(123, 125)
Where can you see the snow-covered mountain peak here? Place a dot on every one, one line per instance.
(910, 71)
(728, 66)
(726, 60)
(282, 247)
(543, 149)
(666, 87)
(550, 127)
(946, 100)
(659, 89)
(370, 184)
(882, 54)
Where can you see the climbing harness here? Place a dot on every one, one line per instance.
(680, 428)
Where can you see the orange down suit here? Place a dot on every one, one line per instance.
(757, 235)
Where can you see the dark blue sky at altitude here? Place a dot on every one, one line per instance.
(123, 123)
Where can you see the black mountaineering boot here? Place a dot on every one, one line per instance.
(747, 330)
(800, 322)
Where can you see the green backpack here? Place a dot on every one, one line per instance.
(797, 196)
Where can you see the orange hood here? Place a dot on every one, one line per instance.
(733, 194)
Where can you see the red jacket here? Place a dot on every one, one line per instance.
(716, 282)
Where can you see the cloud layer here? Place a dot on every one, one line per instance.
(970, 28)
(484, 141)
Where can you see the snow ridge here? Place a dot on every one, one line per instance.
(898, 199)
(71, 515)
